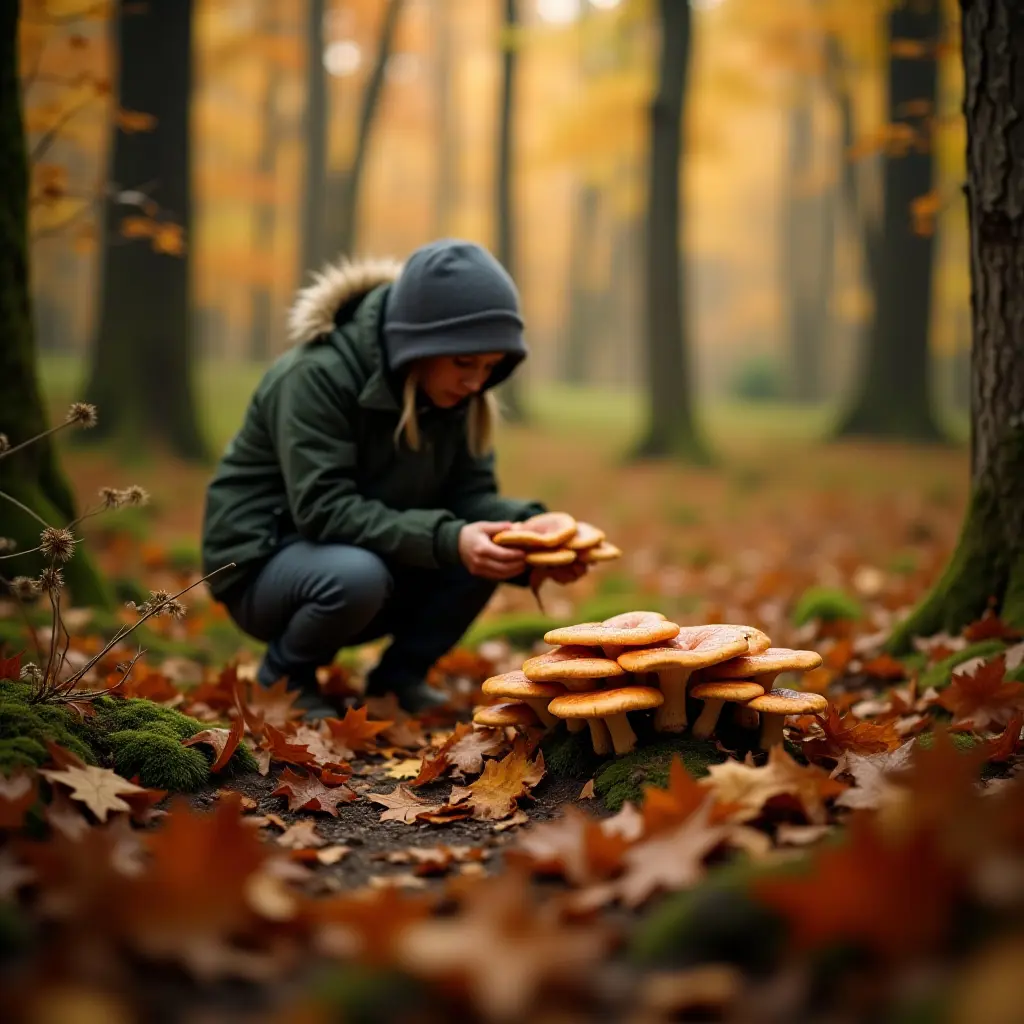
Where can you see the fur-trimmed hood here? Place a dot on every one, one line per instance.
(313, 311)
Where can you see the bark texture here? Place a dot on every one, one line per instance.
(987, 567)
(33, 475)
(315, 245)
(893, 399)
(671, 430)
(141, 375)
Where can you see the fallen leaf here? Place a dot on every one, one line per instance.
(276, 746)
(223, 741)
(495, 793)
(1004, 746)
(467, 747)
(587, 792)
(846, 733)
(872, 774)
(355, 733)
(403, 880)
(333, 854)
(430, 769)
(274, 705)
(407, 769)
(308, 793)
(983, 698)
(402, 805)
(301, 835)
(18, 792)
(100, 789)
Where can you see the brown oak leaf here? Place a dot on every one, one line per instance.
(276, 745)
(843, 733)
(308, 793)
(301, 835)
(467, 747)
(1004, 746)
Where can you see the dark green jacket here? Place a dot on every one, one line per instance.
(316, 458)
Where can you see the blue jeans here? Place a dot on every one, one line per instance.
(311, 600)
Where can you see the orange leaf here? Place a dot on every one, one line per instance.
(847, 733)
(431, 769)
(663, 808)
(276, 744)
(10, 668)
(354, 732)
(1004, 746)
(983, 697)
(885, 667)
(18, 793)
(989, 627)
(223, 741)
(133, 121)
(493, 796)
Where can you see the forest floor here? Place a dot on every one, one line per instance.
(423, 870)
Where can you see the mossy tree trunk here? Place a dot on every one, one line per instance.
(672, 428)
(511, 393)
(313, 247)
(141, 374)
(893, 398)
(33, 475)
(988, 564)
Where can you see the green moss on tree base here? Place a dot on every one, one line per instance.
(979, 571)
(570, 755)
(134, 736)
(623, 778)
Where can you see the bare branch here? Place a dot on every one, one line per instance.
(24, 508)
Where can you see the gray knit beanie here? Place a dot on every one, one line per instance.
(453, 298)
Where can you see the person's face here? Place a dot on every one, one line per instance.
(447, 380)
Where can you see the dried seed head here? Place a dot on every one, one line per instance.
(8, 544)
(135, 495)
(25, 588)
(175, 609)
(82, 413)
(159, 603)
(4, 443)
(57, 543)
(111, 497)
(31, 673)
(51, 579)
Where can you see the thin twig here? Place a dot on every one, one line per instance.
(54, 596)
(71, 694)
(40, 657)
(24, 508)
(122, 633)
(32, 440)
(27, 551)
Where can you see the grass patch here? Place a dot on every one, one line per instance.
(624, 778)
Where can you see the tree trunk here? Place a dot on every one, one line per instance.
(579, 341)
(511, 394)
(988, 564)
(260, 300)
(893, 399)
(808, 241)
(447, 121)
(672, 428)
(33, 475)
(141, 375)
(314, 245)
(348, 210)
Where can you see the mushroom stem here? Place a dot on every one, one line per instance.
(612, 650)
(746, 718)
(575, 724)
(708, 718)
(600, 736)
(771, 730)
(671, 716)
(623, 737)
(540, 706)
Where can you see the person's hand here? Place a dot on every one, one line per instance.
(563, 575)
(482, 557)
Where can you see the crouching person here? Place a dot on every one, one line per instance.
(358, 498)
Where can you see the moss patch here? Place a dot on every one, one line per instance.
(826, 604)
(717, 922)
(940, 674)
(134, 736)
(570, 755)
(623, 778)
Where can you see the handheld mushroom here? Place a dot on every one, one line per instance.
(611, 707)
(776, 706)
(603, 552)
(520, 688)
(674, 662)
(715, 695)
(500, 715)
(547, 530)
(761, 667)
(631, 629)
(586, 537)
(551, 556)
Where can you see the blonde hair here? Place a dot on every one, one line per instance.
(481, 418)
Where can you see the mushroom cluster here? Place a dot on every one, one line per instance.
(556, 538)
(599, 672)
